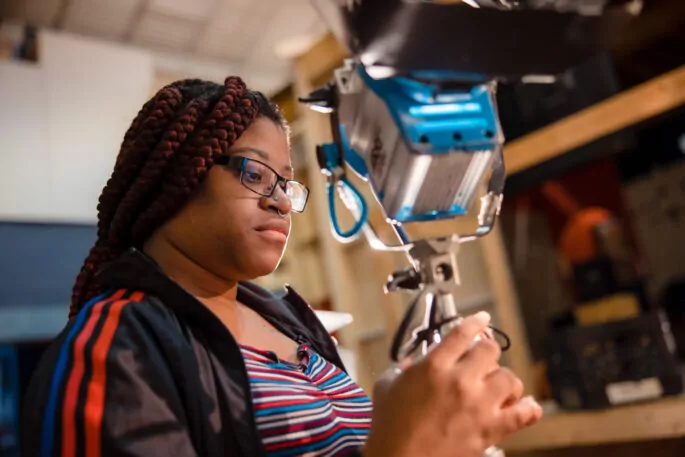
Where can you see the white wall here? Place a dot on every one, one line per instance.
(24, 161)
(61, 125)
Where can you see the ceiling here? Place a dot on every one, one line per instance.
(203, 38)
(253, 38)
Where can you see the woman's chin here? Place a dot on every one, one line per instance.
(267, 264)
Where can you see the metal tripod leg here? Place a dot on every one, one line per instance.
(433, 279)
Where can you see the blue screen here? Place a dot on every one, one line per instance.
(39, 262)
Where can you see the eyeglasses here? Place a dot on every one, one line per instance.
(262, 179)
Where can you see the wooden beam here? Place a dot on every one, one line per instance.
(339, 278)
(641, 422)
(322, 58)
(628, 108)
(287, 101)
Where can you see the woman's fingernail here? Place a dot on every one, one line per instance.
(531, 401)
(483, 316)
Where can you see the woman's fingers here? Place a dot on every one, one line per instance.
(505, 387)
(481, 360)
(523, 414)
(459, 340)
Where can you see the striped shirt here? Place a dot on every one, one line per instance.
(310, 408)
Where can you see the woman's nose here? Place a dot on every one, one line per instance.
(279, 200)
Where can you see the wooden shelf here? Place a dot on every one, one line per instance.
(621, 111)
(655, 420)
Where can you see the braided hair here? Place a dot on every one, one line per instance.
(165, 154)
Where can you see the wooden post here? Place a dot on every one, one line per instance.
(506, 306)
(338, 278)
(355, 274)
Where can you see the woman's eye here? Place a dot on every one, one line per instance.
(252, 176)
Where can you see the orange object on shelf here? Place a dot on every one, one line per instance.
(578, 242)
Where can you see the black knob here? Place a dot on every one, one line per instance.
(408, 279)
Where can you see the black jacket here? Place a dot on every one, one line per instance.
(146, 370)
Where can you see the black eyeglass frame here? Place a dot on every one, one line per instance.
(238, 163)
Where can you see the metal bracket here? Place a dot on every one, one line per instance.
(434, 266)
(433, 279)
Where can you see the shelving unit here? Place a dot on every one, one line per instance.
(656, 420)
(354, 275)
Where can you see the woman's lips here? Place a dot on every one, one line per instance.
(276, 235)
(277, 229)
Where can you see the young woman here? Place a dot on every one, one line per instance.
(171, 351)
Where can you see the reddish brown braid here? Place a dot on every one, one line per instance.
(164, 156)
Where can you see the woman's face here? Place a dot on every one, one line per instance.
(227, 228)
